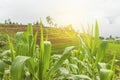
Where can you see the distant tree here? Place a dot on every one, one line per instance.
(102, 38)
(55, 25)
(16, 23)
(5, 21)
(33, 23)
(21, 24)
(9, 21)
(13, 23)
(117, 37)
(49, 21)
(37, 23)
(110, 36)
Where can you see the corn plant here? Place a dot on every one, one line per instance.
(28, 61)
(90, 53)
(25, 60)
(86, 62)
(26, 42)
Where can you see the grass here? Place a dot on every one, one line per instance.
(114, 47)
(111, 49)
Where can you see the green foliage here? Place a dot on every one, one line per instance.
(2, 68)
(17, 67)
(106, 74)
(28, 61)
(3, 40)
(2, 43)
(65, 55)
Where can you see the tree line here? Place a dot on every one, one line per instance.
(49, 20)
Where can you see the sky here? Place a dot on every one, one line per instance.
(64, 12)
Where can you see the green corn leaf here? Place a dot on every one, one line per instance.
(106, 74)
(41, 65)
(33, 67)
(79, 77)
(84, 46)
(30, 29)
(6, 52)
(11, 48)
(17, 67)
(102, 49)
(41, 41)
(46, 57)
(30, 38)
(95, 37)
(63, 71)
(109, 64)
(33, 46)
(2, 68)
(85, 38)
(113, 62)
(101, 52)
(25, 37)
(96, 31)
(19, 36)
(102, 66)
(65, 55)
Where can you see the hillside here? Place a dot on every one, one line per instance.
(59, 37)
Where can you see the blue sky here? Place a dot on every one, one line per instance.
(64, 12)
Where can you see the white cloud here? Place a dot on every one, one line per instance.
(64, 12)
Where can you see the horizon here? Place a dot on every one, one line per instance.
(65, 12)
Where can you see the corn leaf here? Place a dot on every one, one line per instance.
(33, 67)
(106, 74)
(17, 67)
(46, 57)
(79, 77)
(11, 48)
(65, 55)
(41, 53)
(30, 29)
(2, 68)
(101, 52)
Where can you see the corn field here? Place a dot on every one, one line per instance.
(25, 60)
